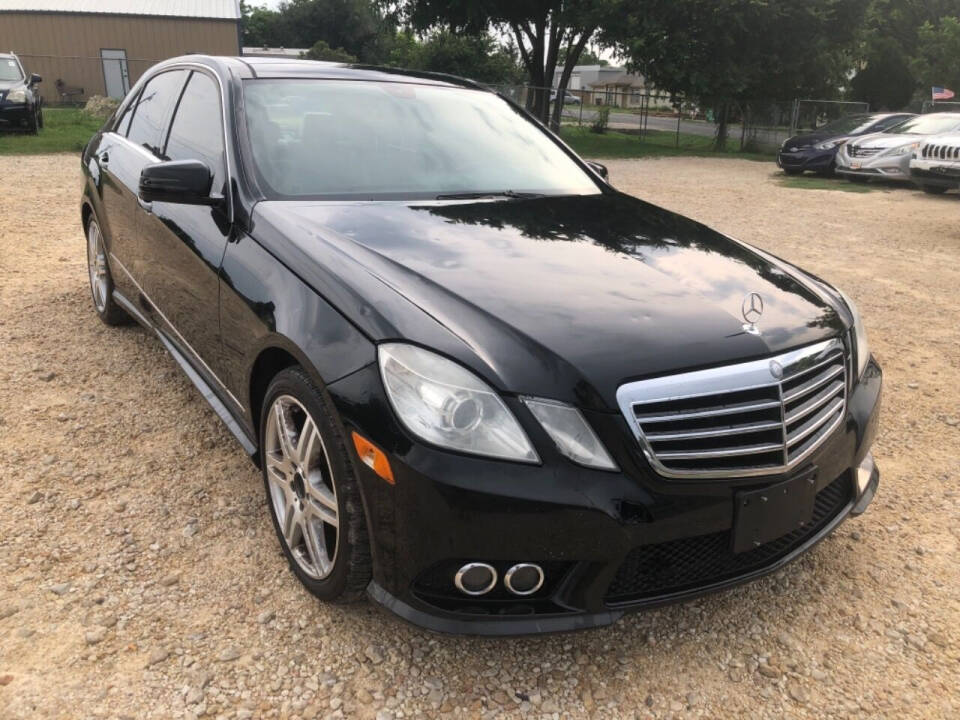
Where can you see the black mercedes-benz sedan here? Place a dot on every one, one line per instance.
(484, 387)
(817, 150)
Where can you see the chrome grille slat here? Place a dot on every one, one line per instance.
(725, 452)
(740, 420)
(811, 425)
(818, 400)
(713, 432)
(727, 410)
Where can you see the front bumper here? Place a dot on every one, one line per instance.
(935, 172)
(807, 159)
(594, 533)
(15, 114)
(881, 167)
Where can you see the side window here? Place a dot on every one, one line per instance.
(151, 108)
(196, 132)
(889, 122)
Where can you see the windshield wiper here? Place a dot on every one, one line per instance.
(478, 195)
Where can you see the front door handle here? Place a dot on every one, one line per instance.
(104, 158)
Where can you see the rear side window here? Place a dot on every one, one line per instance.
(151, 109)
(196, 132)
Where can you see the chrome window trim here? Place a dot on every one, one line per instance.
(724, 379)
(182, 339)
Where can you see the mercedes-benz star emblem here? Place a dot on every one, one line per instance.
(776, 369)
(751, 308)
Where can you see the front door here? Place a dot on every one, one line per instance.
(183, 245)
(116, 78)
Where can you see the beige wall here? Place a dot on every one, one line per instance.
(75, 42)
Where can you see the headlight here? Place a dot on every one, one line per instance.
(862, 351)
(829, 144)
(17, 96)
(446, 405)
(569, 430)
(904, 149)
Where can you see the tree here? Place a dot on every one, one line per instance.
(885, 80)
(322, 51)
(937, 53)
(478, 57)
(540, 28)
(261, 27)
(724, 53)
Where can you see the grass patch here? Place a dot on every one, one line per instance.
(656, 143)
(65, 130)
(812, 182)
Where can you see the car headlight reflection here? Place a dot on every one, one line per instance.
(445, 404)
(861, 347)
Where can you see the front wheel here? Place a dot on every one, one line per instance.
(40, 117)
(312, 491)
(101, 282)
(857, 178)
(793, 171)
(33, 124)
(933, 189)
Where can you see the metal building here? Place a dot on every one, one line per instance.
(100, 47)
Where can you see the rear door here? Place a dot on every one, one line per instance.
(184, 244)
(121, 155)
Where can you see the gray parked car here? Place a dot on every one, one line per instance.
(887, 154)
(935, 167)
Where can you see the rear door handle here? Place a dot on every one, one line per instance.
(104, 158)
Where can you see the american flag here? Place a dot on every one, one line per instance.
(941, 93)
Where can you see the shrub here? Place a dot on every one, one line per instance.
(599, 125)
(99, 106)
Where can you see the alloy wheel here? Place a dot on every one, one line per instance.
(97, 265)
(302, 488)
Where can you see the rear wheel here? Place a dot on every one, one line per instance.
(312, 491)
(934, 189)
(101, 282)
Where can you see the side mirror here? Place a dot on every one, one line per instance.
(177, 181)
(599, 169)
(35, 79)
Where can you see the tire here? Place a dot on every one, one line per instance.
(793, 171)
(101, 281)
(309, 481)
(33, 124)
(857, 179)
(934, 189)
(40, 117)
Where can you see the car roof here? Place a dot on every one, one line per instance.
(266, 67)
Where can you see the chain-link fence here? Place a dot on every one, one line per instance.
(930, 106)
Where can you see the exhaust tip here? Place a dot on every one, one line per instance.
(475, 579)
(524, 579)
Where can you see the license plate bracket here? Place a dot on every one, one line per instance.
(771, 512)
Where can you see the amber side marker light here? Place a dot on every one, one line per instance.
(373, 457)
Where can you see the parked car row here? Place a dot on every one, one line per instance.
(923, 149)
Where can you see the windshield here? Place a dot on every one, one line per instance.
(928, 124)
(376, 140)
(849, 125)
(10, 70)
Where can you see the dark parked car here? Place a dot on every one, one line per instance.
(817, 150)
(484, 387)
(21, 105)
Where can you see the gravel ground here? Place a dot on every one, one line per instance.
(140, 576)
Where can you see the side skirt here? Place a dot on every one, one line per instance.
(209, 395)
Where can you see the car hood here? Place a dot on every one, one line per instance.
(808, 139)
(10, 85)
(885, 141)
(557, 297)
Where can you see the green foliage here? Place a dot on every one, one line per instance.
(938, 51)
(65, 130)
(601, 121)
(722, 52)
(358, 27)
(613, 144)
(322, 51)
(475, 56)
(885, 81)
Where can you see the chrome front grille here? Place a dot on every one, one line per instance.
(862, 152)
(755, 418)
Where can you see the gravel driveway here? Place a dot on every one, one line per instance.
(140, 576)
